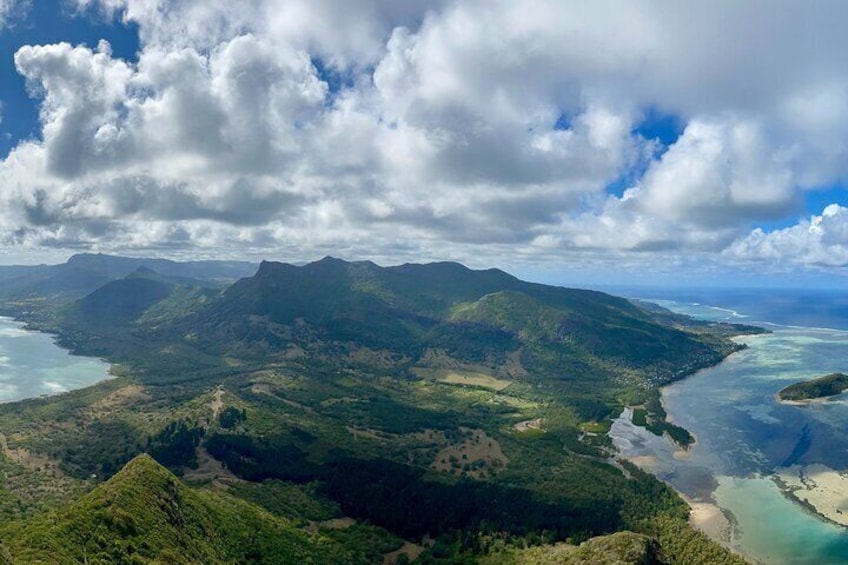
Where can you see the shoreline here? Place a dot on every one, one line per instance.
(704, 516)
(807, 402)
(109, 369)
(817, 490)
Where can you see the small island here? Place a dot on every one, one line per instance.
(822, 387)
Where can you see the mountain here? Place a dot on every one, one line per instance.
(124, 300)
(219, 273)
(322, 288)
(593, 348)
(369, 413)
(144, 514)
(443, 314)
(83, 273)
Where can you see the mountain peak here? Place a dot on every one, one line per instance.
(83, 258)
(142, 464)
(144, 273)
(328, 264)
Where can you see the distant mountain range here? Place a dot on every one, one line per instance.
(85, 272)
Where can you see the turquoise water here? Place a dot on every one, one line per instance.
(744, 435)
(31, 365)
(774, 529)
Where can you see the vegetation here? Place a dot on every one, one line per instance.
(622, 547)
(822, 387)
(653, 418)
(341, 412)
(145, 515)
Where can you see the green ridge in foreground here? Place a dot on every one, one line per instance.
(622, 548)
(145, 515)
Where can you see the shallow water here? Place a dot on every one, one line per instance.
(743, 434)
(776, 530)
(32, 365)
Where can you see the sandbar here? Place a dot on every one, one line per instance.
(818, 487)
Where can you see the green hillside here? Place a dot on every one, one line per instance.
(623, 548)
(144, 514)
(474, 316)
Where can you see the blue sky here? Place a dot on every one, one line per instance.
(652, 143)
(45, 22)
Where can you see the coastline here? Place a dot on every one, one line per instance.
(667, 417)
(818, 493)
(804, 403)
(704, 514)
(819, 489)
(99, 369)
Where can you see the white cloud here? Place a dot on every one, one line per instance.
(10, 9)
(820, 240)
(429, 127)
(83, 91)
(718, 172)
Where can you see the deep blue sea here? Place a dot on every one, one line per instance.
(745, 438)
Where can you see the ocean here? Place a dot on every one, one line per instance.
(746, 438)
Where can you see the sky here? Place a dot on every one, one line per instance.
(655, 142)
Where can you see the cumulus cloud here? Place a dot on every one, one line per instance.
(82, 93)
(820, 240)
(433, 127)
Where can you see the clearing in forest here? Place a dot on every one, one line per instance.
(461, 377)
(473, 453)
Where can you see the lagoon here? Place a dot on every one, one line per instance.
(32, 365)
(745, 436)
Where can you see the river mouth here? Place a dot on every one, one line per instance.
(749, 445)
(33, 366)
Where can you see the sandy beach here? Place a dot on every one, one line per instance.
(711, 520)
(807, 402)
(820, 488)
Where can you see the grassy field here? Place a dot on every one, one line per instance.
(463, 378)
